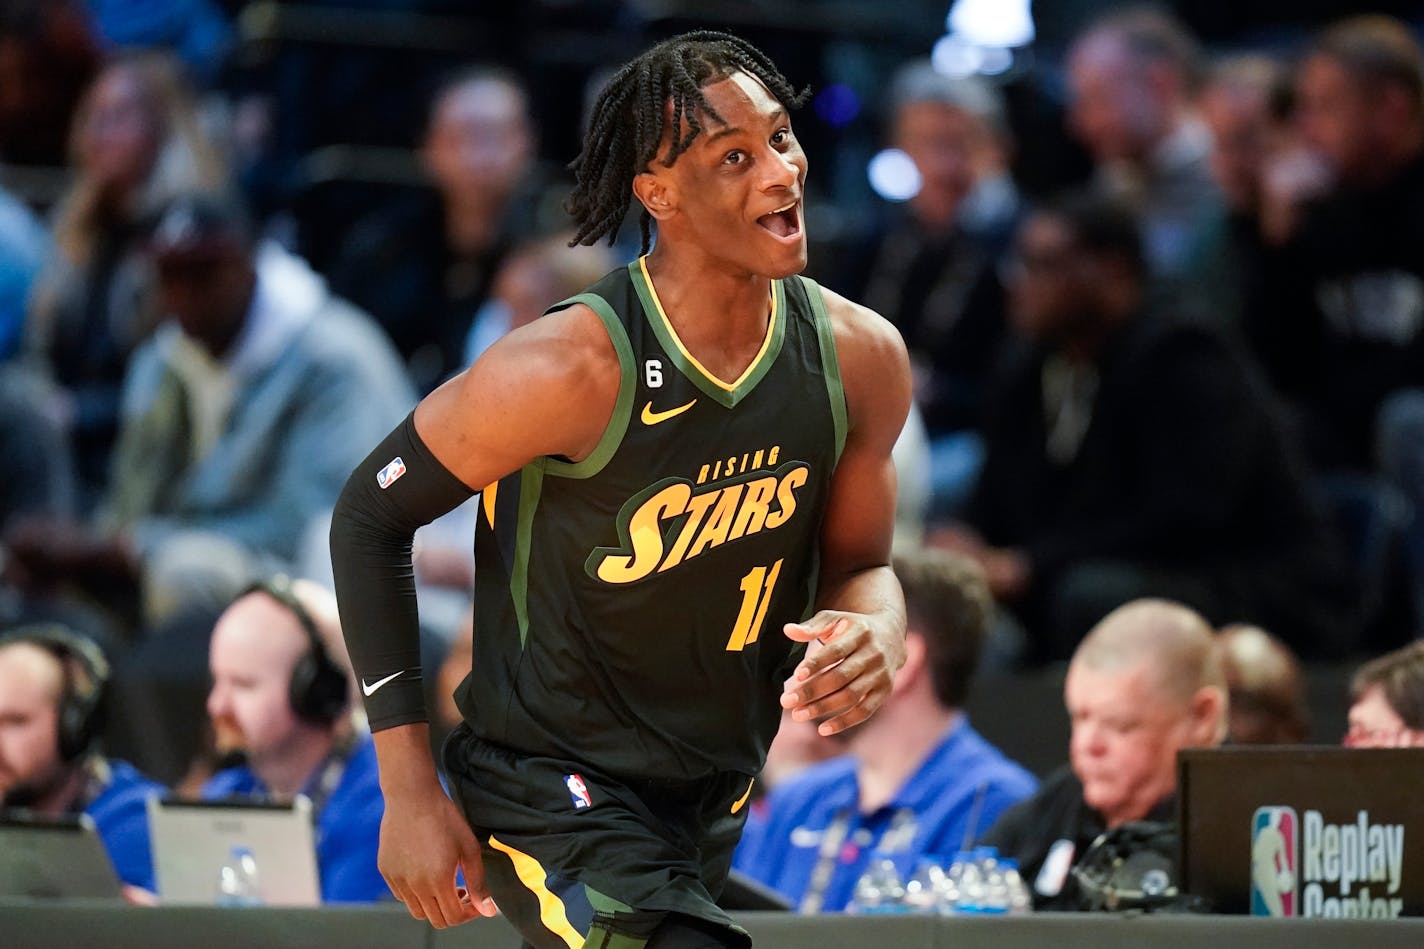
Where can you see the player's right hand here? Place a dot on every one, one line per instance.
(424, 839)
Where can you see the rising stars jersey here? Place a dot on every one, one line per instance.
(629, 608)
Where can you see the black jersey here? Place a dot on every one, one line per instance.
(629, 608)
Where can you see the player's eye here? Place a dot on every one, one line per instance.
(734, 157)
(781, 137)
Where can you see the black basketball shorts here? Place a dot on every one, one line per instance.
(569, 851)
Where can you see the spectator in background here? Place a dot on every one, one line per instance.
(534, 276)
(1131, 77)
(243, 416)
(1132, 454)
(1343, 336)
(1387, 701)
(39, 481)
(425, 267)
(1266, 688)
(48, 55)
(52, 698)
(930, 267)
(1258, 162)
(24, 248)
(195, 30)
(282, 698)
(135, 143)
(1346, 329)
(1145, 683)
(918, 780)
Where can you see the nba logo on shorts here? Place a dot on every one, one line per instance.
(1274, 875)
(578, 790)
(387, 476)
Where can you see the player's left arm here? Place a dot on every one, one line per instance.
(859, 628)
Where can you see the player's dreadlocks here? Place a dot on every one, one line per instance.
(629, 121)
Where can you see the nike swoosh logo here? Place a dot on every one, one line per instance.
(743, 799)
(370, 687)
(652, 418)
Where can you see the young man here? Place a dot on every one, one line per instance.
(677, 465)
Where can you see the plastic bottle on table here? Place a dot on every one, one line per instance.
(237, 879)
(968, 877)
(879, 889)
(1020, 899)
(996, 889)
(924, 891)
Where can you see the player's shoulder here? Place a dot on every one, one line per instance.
(563, 347)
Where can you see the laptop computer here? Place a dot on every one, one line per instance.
(193, 841)
(52, 858)
(1303, 831)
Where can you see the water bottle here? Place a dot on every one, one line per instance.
(879, 889)
(996, 889)
(924, 891)
(1020, 899)
(968, 876)
(237, 879)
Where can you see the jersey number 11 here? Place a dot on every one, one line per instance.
(756, 594)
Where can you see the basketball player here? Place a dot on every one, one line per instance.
(686, 477)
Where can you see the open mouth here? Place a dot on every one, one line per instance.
(783, 223)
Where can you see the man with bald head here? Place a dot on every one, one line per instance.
(1145, 683)
(51, 705)
(282, 699)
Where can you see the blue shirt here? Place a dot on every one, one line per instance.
(348, 822)
(814, 819)
(120, 814)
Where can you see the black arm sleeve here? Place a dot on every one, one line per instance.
(396, 489)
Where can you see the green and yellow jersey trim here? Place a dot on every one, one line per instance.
(622, 408)
(830, 362)
(725, 393)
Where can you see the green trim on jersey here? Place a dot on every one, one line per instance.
(530, 484)
(723, 393)
(830, 362)
(622, 409)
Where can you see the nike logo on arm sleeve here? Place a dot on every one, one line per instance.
(370, 687)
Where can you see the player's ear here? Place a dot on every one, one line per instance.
(655, 193)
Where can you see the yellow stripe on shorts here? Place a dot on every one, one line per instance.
(551, 908)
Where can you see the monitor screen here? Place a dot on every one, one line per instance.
(194, 843)
(60, 857)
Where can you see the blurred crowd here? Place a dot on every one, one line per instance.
(1164, 303)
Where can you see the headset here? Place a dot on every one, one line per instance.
(319, 691)
(1134, 867)
(83, 697)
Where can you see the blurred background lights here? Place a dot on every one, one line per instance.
(893, 175)
(952, 56)
(999, 23)
(837, 105)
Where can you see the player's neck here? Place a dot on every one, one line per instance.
(704, 289)
(708, 301)
(889, 749)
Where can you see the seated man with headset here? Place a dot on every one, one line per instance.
(52, 691)
(282, 700)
